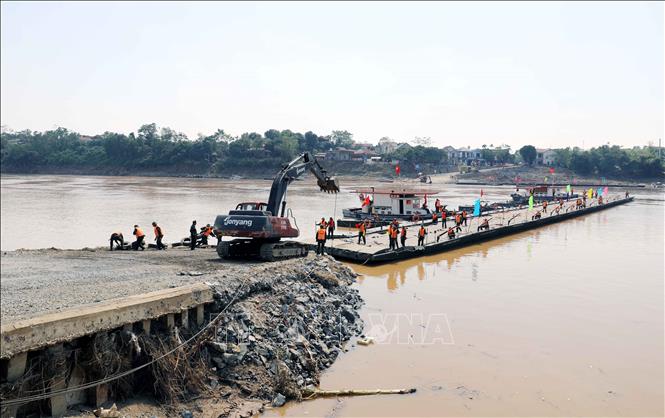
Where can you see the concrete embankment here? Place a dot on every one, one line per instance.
(255, 334)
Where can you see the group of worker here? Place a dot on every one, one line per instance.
(117, 240)
(326, 230)
(199, 238)
(393, 233)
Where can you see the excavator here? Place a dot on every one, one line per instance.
(260, 227)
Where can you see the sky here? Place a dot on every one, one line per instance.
(463, 74)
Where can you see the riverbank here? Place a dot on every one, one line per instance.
(283, 324)
(333, 167)
(488, 176)
(529, 175)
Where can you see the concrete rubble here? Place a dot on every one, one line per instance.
(285, 330)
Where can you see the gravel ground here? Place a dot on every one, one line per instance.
(35, 282)
(284, 322)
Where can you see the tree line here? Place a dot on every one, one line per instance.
(152, 148)
(162, 150)
(613, 161)
(606, 160)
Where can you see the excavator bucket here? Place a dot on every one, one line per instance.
(330, 185)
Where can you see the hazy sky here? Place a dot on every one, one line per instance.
(549, 74)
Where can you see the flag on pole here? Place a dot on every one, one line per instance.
(366, 201)
(476, 208)
(545, 179)
(589, 193)
(568, 189)
(551, 170)
(397, 169)
(481, 192)
(425, 199)
(606, 190)
(599, 191)
(531, 202)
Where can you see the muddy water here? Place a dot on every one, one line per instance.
(565, 320)
(562, 321)
(80, 211)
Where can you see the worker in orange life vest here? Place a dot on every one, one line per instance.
(402, 236)
(421, 235)
(321, 239)
(206, 231)
(140, 236)
(158, 236)
(458, 222)
(362, 231)
(331, 227)
(394, 232)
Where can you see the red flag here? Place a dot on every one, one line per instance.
(366, 201)
(397, 169)
(481, 192)
(551, 170)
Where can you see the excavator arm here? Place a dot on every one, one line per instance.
(292, 171)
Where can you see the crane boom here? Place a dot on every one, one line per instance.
(292, 171)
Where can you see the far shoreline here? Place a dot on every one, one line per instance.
(438, 178)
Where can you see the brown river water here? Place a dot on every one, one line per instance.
(566, 320)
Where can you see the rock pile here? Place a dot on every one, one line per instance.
(282, 330)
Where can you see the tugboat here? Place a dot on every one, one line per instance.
(383, 205)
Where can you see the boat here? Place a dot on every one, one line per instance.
(384, 205)
(541, 194)
(485, 206)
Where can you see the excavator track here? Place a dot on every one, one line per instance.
(238, 248)
(271, 251)
(282, 250)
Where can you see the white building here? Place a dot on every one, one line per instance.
(386, 146)
(545, 156)
(465, 156)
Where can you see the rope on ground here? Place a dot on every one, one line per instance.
(332, 239)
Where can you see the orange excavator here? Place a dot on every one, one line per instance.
(259, 227)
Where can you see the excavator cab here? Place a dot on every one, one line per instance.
(261, 206)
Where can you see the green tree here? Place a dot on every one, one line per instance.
(342, 139)
(528, 153)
